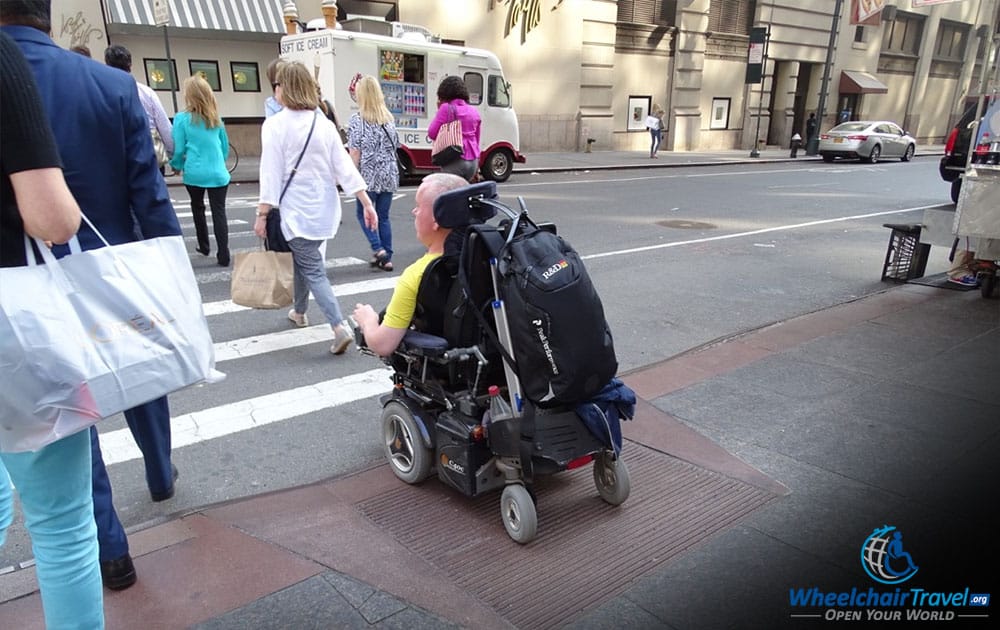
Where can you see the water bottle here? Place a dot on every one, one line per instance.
(499, 407)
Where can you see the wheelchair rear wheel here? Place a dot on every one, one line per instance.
(517, 509)
(611, 478)
(409, 459)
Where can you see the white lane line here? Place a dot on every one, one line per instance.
(340, 290)
(226, 274)
(207, 424)
(777, 228)
(190, 226)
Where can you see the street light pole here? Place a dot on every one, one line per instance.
(812, 147)
(755, 151)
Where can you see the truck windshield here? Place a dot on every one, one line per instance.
(499, 96)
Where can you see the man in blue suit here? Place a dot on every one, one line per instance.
(107, 152)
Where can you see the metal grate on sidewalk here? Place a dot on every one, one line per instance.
(586, 550)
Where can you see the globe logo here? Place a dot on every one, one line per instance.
(883, 558)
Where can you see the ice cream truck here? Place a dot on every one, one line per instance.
(409, 68)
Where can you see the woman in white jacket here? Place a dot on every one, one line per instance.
(307, 194)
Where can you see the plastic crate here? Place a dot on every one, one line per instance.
(906, 256)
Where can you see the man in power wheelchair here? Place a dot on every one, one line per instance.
(446, 336)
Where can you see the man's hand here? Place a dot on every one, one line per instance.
(365, 316)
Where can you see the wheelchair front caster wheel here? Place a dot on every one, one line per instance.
(518, 513)
(408, 457)
(611, 478)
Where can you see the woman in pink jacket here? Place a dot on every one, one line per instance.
(453, 101)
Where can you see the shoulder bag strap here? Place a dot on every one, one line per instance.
(298, 161)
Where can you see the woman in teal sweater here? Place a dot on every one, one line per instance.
(200, 150)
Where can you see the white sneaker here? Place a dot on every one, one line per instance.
(342, 337)
(299, 319)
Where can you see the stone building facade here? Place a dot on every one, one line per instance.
(591, 69)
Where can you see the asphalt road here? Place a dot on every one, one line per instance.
(681, 257)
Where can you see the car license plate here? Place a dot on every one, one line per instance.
(838, 139)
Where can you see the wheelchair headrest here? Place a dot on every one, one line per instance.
(458, 208)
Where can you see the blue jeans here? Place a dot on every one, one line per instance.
(655, 136)
(55, 490)
(382, 239)
(310, 275)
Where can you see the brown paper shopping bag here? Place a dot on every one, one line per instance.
(262, 279)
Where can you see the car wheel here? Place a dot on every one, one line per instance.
(827, 158)
(908, 154)
(874, 155)
(498, 165)
(956, 188)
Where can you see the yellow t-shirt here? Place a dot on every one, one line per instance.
(399, 313)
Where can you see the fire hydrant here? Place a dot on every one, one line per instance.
(796, 145)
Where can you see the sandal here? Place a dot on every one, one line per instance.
(377, 258)
(385, 265)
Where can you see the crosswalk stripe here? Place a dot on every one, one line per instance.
(271, 342)
(207, 424)
(224, 307)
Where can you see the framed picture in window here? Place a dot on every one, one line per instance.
(720, 114)
(209, 70)
(638, 109)
(245, 75)
(161, 74)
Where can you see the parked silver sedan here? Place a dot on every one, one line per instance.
(867, 140)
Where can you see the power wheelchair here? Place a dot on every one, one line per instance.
(438, 412)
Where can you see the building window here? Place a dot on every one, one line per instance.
(903, 34)
(661, 12)
(208, 70)
(246, 76)
(951, 41)
(731, 16)
(161, 74)
(859, 34)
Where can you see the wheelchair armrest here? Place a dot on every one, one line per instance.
(422, 344)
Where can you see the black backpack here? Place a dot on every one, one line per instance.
(563, 352)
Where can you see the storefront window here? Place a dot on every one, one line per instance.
(161, 74)
(208, 70)
(903, 34)
(246, 76)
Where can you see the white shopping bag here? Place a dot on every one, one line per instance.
(96, 333)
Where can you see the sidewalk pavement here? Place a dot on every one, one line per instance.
(760, 464)
(248, 166)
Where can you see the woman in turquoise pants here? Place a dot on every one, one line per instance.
(54, 486)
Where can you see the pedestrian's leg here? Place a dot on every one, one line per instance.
(652, 142)
(150, 427)
(55, 489)
(300, 284)
(111, 538)
(371, 235)
(383, 201)
(197, 195)
(220, 225)
(309, 263)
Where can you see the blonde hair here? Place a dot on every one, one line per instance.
(199, 100)
(657, 109)
(371, 102)
(298, 87)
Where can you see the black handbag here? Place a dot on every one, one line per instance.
(274, 239)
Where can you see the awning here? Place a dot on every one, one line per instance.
(855, 82)
(248, 16)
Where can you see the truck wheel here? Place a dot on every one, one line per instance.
(498, 165)
(956, 187)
